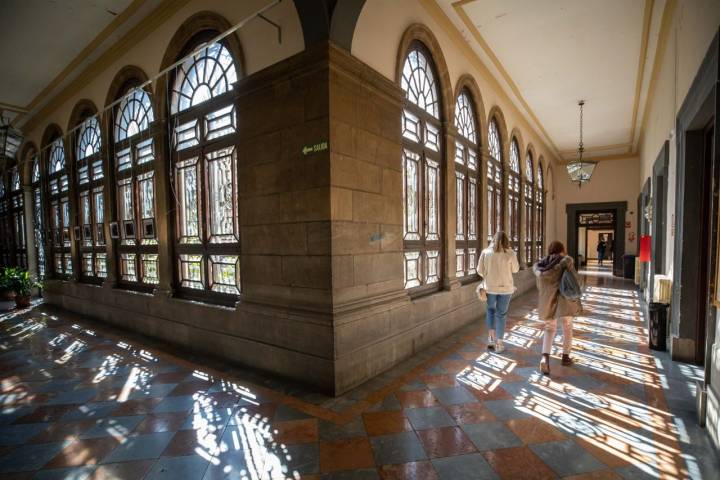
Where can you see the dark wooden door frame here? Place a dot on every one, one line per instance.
(619, 209)
(659, 212)
(698, 108)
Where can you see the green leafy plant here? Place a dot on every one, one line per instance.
(7, 278)
(22, 283)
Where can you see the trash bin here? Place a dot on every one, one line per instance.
(658, 326)
(629, 266)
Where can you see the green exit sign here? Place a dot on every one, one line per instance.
(318, 147)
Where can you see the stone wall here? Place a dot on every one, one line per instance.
(283, 321)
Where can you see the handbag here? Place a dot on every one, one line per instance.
(481, 292)
(569, 286)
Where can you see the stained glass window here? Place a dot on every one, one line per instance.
(467, 179)
(540, 211)
(90, 183)
(422, 173)
(204, 176)
(513, 195)
(495, 174)
(208, 74)
(529, 210)
(135, 137)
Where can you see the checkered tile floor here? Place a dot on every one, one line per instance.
(79, 402)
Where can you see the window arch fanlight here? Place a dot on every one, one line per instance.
(467, 192)
(17, 218)
(422, 172)
(529, 208)
(540, 211)
(204, 120)
(58, 189)
(494, 180)
(208, 74)
(134, 114)
(38, 220)
(91, 201)
(134, 169)
(513, 195)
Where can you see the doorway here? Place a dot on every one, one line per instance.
(595, 234)
(708, 226)
(587, 224)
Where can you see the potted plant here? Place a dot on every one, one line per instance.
(22, 284)
(6, 286)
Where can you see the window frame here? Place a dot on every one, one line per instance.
(58, 188)
(495, 182)
(540, 211)
(133, 148)
(92, 189)
(6, 249)
(467, 245)
(427, 159)
(200, 152)
(16, 214)
(38, 196)
(513, 196)
(529, 199)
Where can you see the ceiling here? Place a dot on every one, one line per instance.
(36, 65)
(549, 54)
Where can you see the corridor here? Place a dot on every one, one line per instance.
(82, 401)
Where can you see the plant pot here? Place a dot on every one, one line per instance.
(22, 301)
(7, 295)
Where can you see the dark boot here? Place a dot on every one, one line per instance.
(566, 360)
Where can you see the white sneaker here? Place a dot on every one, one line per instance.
(491, 339)
(499, 346)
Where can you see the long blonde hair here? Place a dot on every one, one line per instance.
(501, 242)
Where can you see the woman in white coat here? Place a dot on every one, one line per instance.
(496, 266)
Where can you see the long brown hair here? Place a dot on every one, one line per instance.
(501, 242)
(556, 248)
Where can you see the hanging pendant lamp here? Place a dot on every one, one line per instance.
(581, 170)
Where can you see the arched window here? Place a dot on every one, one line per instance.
(467, 196)
(36, 184)
(495, 181)
(134, 153)
(529, 208)
(17, 215)
(59, 210)
(540, 212)
(422, 172)
(513, 196)
(207, 236)
(91, 201)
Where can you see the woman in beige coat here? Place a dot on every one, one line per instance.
(552, 305)
(496, 266)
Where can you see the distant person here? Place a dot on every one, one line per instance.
(601, 247)
(496, 266)
(553, 305)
